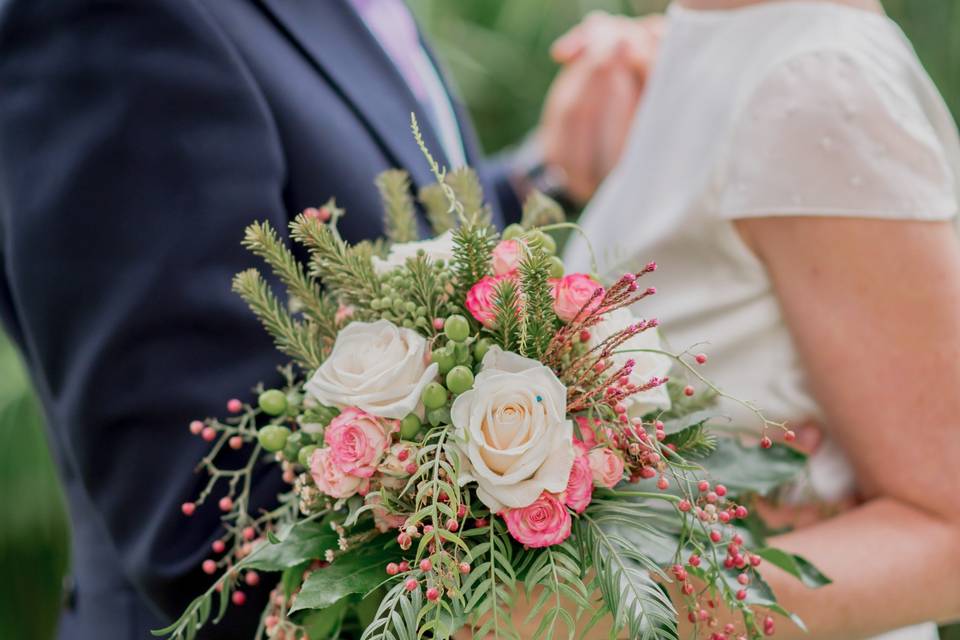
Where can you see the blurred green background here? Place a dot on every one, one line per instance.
(497, 53)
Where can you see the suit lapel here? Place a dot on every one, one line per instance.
(344, 51)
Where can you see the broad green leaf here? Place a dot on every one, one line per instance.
(304, 541)
(324, 623)
(744, 469)
(358, 570)
(796, 566)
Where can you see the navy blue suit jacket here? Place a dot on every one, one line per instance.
(137, 139)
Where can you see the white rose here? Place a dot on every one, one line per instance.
(439, 248)
(377, 367)
(517, 441)
(647, 365)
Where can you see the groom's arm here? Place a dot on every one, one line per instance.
(134, 148)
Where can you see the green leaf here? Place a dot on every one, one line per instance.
(744, 469)
(324, 623)
(797, 566)
(302, 542)
(358, 570)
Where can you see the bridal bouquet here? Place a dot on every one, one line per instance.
(466, 424)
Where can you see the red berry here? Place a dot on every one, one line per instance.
(688, 391)
(226, 503)
(410, 584)
(438, 324)
(728, 628)
(742, 594)
(433, 594)
(663, 484)
(694, 560)
(252, 578)
(234, 405)
(425, 565)
(755, 561)
(743, 579)
(196, 427)
(716, 536)
(403, 454)
(392, 569)
(684, 505)
(741, 512)
(687, 588)
(219, 546)
(411, 468)
(703, 485)
(249, 534)
(461, 510)
(235, 442)
(737, 539)
(404, 566)
(700, 358)
(711, 497)
(464, 568)
(721, 490)
(647, 472)
(208, 434)
(584, 335)
(766, 442)
(790, 436)
(452, 524)
(188, 508)
(724, 517)
(209, 567)
(238, 598)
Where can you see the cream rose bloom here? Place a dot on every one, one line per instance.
(516, 439)
(647, 365)
(439, 248)
(377, 367)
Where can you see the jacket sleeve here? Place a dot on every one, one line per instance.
(134, 148)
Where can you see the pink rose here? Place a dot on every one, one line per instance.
(357, 441)
(383, 519)
(543, 523)
(606, 467)
(572, 292)
(506, 257)
(330, 479)
(481, 298)
(586, 432)
(580, 485)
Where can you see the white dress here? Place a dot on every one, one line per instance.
(784, 108)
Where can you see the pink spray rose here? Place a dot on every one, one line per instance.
(572, 292)
(383, 519)
(587, 432)
(580, 485)
(543, 523)
(330, 479)
(357, 441)
(606, 467)
(481, 297)
(506, 257)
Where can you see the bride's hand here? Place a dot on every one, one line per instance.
(591, 103)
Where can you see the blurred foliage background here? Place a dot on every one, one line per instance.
(496, 51)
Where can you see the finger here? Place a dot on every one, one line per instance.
(570, 45)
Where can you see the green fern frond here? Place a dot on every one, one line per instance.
(299, 341)
(491, 584)
(538, 321)
(442, 218)
(540, 210)
(396, 617)
(347, 271)
(623, 572)
(563, 597)
(399, 215)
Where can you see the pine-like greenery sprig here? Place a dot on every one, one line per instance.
(538, 321)
(346, 271)
(506, 320)
(439, 212)
(469, 192)
(473, 246)
(399, 215)
(298, 340)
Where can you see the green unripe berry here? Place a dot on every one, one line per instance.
(556, 267)
(410, 306)
(480, 348)
(444, 359)
(305, 453)
(434, 395)
(272, 402)
(438, 416)
(459, 379)
(273, 437)
(292, 447)
(410, 426)
(457, 328)
(513, 231)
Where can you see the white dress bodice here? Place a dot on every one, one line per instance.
(781, 108)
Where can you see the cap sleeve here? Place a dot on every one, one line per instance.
(830, 134)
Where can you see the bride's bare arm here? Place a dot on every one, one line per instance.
(874, 308)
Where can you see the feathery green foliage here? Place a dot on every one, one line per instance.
(473, 245)
(563, 597)
(399, 215)
(538, 321)
(439, 212)
(506, 322)
(540, 210)
(396, 617)
(346, 271)
(298, 340)
(491, 584)
(468, 192)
